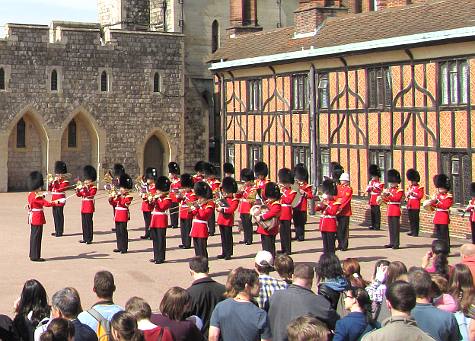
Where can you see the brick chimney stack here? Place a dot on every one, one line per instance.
(311, 13)
(243, 17)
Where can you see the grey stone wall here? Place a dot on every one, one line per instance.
(137, 14)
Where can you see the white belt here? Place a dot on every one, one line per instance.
(88, 199)
(58, 193)
(244, 200)
(200, 221)
(375, 193)
(121, 208)
(441, 210)
(328, 216)
(184, 205)
(394, 203)
(285, 205)
(159, 213)
(36, 210)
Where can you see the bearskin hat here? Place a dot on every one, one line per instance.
(394, 176)
(229, 185)
(442, 181)
(163, 184)
(203, 190)
(247, 174)
(186, 180)
(151, 173)
(472, 189)
(199, 166)
(285, 176)
(209, 169)
(261, 169)
(228, 168)
(174, 168)
(336, 170)
(125, 181)
(374, 170)
(35, 180)
(329, 187)
(118, 170)
(413, 175)
(272, 190)
(60, 167)
(301, 172)
(89, 173)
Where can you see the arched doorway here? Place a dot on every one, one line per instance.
(155, 156)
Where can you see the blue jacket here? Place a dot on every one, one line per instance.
(351, 327)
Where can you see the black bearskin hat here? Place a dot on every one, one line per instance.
(336, 170)
(228, 168)
(199, 166)
(472, 189)
(247, 174)
(329, 187)
(394, 176)
(272, 190)
(209, 169)
(60, 167)
(186, 180)
(285, 176)
(151, 173)
(35, 180)
(163, 184)
(89, 173)
(174, 168)
(229, 185)
(301, 172)
(203, 190)
(260, 168)
(125, 181)
(118, 170)
(442, 181)
(374, 170)
(413, 175)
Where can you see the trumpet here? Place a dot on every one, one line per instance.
(427, 204)
(384, 194)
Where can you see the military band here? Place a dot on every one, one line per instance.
(414, 195)
(57, 187)
(329, 206)
(286, 180)
(392, 197)
(374, 189)
(247, 195)
(158, 227)
(345, 194)
(121, 202)
(226, 208)
(174, 175)
(187, 199)
(300, 208)
(147, 192)
(86, 190)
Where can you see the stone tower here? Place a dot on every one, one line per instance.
(125, 14)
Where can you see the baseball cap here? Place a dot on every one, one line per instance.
(264, 258)
(345, 177)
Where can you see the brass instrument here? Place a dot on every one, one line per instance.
(79, 185)
(49, 177)
(427, 204)
(380, 198)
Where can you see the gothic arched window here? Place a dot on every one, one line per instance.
(21, 134)
(54, 80)
(214, 36)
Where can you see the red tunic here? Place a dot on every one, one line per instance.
(261, 185)
(188, 199)
(345, 194)
(36, 202)
(328, 217)
(442, 206)
(226, 214)
(414, 195)
(159, 213)
(121, 204)
(471, 208)
(375, 188)
(214, 184)
(199, 227)
(274, 211)
(394, 201)
(286, 200)
(87, 193)
(147, 205)
(174, 187)
(57, 189)
(197, 178)
(245, 204)
(306, 193)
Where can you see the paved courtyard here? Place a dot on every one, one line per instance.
(69, 263)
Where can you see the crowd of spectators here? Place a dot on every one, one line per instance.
(329, 301)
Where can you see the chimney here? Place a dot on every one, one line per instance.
(243, 17)
(311, 13)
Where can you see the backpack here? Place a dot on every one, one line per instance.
(464, 324)
(103, 330)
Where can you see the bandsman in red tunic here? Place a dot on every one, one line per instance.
(286, 180)
(306, 193)
(199, 172)
(188, 199)
(117, 171)
(121, 203)
(215, 184)
(36, 216)
(148, 191)
(228, 170)
(329, 207)
(58, 187)
(374, 189)
(393, 196)
(174, 176)
(345, 194)
(414, 195)
(268, 219)
(261, 172)
(86, 191)
(201, 211)
(228, 205)
(158, 226)
(442, 202)
(247, 196)
(471, 209)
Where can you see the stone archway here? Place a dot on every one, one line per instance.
(155, 151)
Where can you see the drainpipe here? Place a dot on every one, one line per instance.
(313, 134)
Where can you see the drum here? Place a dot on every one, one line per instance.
(257, 210)
(426, 205)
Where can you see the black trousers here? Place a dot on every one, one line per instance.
(394, 224)
(376, 217)
(58, 217)
(442, 232)
(212, 224)
(147, 218)
(87, 227)
(268, 243)
(185, 228)
(473, 231)
(414, 221)
(201, 246)
(285, 237)
(122, 236)
(159, 240)
(247, 227)
(226, 240)
(174, 214)
(300, 219)
(328, 239)
(343, 231)
(36, 234)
